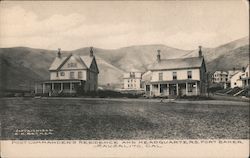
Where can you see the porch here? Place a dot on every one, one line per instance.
(245, 82)
(56, 87)
(173, 88)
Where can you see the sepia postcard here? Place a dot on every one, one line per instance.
(124, 79)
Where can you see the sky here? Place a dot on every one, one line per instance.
(114, 24)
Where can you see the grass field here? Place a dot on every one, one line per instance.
(124, 119)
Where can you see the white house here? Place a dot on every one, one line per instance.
(67, 73)
(236, 79)
(132, 81)
(224, 77)
(246, 77)
(181, 76)
(220, 77)
(241, 78)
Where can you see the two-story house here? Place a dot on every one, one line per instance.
(241, 78)
(246, 77)
(220, 77)
(132, 81)
(181, 76)
(67, 73)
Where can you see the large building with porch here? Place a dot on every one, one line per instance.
(71, 73)
(177, 77)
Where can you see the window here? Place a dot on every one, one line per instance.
(132, 75)
(234, 83)
(79, 74)
(128, 85)
(246, 74)
(189, 74)
(62, 73)
(71, 75)
(56, 74)
(72, 65)
(160, 76)
(147, 88)
(174, 75)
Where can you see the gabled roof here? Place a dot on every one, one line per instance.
(59, 62)
(178, 63)
(87, 60)
(221, 72)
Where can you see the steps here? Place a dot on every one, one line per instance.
(238, 93)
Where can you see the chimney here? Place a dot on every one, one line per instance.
(159, 55)
(200, 52)
(91, 52)
(243, 69)
(59, 53)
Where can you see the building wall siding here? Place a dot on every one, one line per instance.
(181, 74)
(53, 75)
(132, 83)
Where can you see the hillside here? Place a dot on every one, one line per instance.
(22, 66)
(226, 56)
(133, 57)
(237, 58)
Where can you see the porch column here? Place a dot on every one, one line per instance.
(151, 89)
(168, 88)
(186, 88)
(43, 88)
(70, 87)
(61, 86)
(52, 86)
(177, 88)
(159, 89)
(35, 88)
(196, 87)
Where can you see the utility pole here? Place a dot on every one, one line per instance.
(208, 83)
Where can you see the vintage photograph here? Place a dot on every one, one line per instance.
(124, 70)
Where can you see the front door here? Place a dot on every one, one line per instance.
(172, 89)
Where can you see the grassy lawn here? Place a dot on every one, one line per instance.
(123, 119)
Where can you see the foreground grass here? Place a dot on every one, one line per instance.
(116, 119)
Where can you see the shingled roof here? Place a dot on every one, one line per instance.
(178, 63)
(60, 61)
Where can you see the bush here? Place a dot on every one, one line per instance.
(108, 94)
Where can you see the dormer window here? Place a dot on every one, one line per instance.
(62, 73)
